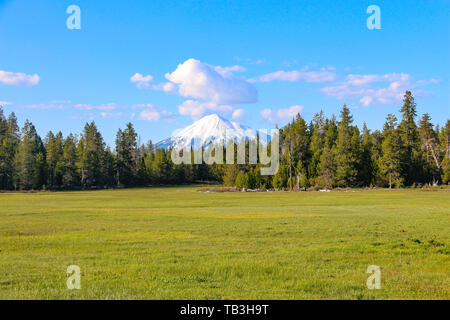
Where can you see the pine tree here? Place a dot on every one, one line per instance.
(281, 177)
(390, 164)
(411, 166)
(316, 146)
(367, 167)
(161, 167)
(70, 177)
(81, 161)
(142, 177)
(126, 150)
(11, 145)
(109, 168)
(149, 157)
(355, 145)
(230, 174)
(444, 138)
(300, 136)
(376, 154)
(91, 157)
(344, 151)
(327, 164)
(242, 180)
(30, 160)
(3, 152)
(9, 140)
(54, 152)
(430, 149)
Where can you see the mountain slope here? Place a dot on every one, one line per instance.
(206, 130)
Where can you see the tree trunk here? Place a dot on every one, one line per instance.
(436, 160)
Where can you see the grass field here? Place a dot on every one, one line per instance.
(176, 243)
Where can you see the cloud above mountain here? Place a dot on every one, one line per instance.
(198, 80)
(208, 88)
(197, 109)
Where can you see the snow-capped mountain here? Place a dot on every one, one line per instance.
(207, 130)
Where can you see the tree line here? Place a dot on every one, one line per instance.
(323, 153)
(335, 153)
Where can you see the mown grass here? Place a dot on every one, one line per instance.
(176, 243)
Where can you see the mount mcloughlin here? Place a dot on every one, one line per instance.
(207, 130)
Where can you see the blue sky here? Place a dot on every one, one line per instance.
(162, 64)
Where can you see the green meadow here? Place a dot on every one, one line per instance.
(176, 243)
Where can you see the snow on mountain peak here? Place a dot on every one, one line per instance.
(208, 129)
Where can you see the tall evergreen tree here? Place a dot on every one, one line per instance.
(91, 157)
(70, 177)
(430, 149)
(344, 151)
(54, 157)
(316, 146)
(126, 150)
(367, 166)
(3, 152)
(444, 138)
(411, 155)
(300, 136)
(9, 140)
(327, 164)
(30, 160)
(390, 163)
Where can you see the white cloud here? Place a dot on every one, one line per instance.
(152, 113)
(289, 113)
(238, 114)
(165, 86)
(281, 114)
(266, 113)
(250, 60)
(197, 109)
(168, 86)
(228, 71)
(426, 82)
(148, 111)
(366, 100)
(18, 79)
(103, 107)
(61, 101)
(44, 106)
(110, 115)
(5, 103)
(361, 80)
(205, 82)
(328, 68)
(258, 61)
(294, 76)
(141, 81)
(371, 88)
